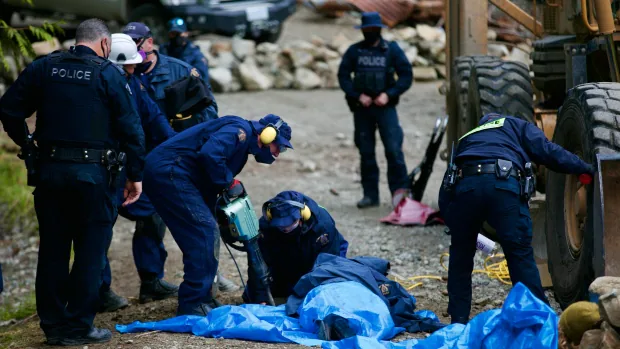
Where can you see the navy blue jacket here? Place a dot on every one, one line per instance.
(210, 154)
(167, 71)
(190, 54)
(519, 141)
(290, 256)
(398, 60)
(26, 94)
(156, 127)
(370, 272)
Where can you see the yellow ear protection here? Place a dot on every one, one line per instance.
(270, 132)
(304, 210)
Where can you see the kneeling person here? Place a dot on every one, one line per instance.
(294, 231)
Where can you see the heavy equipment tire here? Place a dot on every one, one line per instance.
(459, 124)
(586, 126)
(500, 87)
(549, 67)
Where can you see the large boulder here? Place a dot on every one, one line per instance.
(283, 80)
(339, 40)
(227, 60)
(252, 78)
(306, 79)
(428, 33)
(424, 73)
(221, 79)
(243, 48)
(604, 285)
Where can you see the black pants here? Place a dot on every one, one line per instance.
(75, 207)
(367, 120)
(486, 198)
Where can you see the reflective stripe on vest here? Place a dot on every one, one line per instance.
(493, 124)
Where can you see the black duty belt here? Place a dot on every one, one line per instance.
(80, 155)
(473, 170)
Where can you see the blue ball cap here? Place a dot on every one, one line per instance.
(177, 24)
(284, 136)
(284, 214)
(137, 30)
(371, 20)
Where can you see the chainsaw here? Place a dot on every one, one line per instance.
(239, 229)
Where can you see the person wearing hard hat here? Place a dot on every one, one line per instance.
(184, 177)
(180, 47)
(148, 247)
(372, 95)
(294, 231)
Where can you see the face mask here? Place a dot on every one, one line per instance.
(292, 228)
(264, 156)
(371, 37)
(177, 41)
(142, 68)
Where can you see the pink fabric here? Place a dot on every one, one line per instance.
(411, 212)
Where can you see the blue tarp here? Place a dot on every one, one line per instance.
(523, 322)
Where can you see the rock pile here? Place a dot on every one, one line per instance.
(241, 65)
(586, 325)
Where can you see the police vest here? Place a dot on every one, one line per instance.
(73, 110)
(491, 124)
(374, 72)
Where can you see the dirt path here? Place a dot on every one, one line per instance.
(322, 137)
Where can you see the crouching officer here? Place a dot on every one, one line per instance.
(180, 47)
(184, 177)
(159, 71)
(148, 248)
(372, 96)
(84, 110)
(294, 231)
(491, 171)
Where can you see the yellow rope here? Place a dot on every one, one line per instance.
(498, 271)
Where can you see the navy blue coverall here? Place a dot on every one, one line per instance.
(190, 54)
(168, 70)
(183, 178)
(291, 255)
(374, 68)
(83, 104)
(148, 248)
(485, 197)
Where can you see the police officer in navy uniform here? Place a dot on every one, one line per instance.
(148, 248)
(194, 168)
(372, 96)
(294, 231)
(159, 71)
(180, 47)
(84, 111)
(491, 173)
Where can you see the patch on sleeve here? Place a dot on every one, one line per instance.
(194, 72)
(241, 135)
(128, 89)
(385, 289)
(142, 87)
(323, 239)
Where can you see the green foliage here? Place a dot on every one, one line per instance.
(15, 41)
(16, 200)
(23, 309)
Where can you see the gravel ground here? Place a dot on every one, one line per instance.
(324, 162)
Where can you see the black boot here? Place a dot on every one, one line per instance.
(200, 310)
(459, 320)
(110, 301)
(334, 328)
(157, 289)
(367, 202)
(96, 335)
